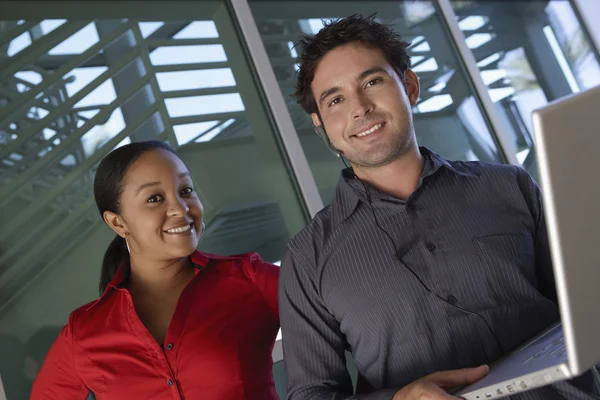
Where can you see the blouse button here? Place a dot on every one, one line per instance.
(170, 346)
(169, 382)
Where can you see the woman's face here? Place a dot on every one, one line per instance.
(160, 213)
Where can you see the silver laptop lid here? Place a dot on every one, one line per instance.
(567, 135)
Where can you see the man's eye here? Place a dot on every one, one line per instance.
(373, 82)
(335, 101)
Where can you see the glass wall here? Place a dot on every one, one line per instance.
(448, 118)
(528, 53)
(72, 89)
(77, 82)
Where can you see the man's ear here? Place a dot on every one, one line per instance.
(115, 222)
(413, 88)
(316, 119)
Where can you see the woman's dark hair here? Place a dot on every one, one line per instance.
(354, 28)
(108, 187)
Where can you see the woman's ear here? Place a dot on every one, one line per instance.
(116, 223)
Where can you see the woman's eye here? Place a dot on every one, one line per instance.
(187, 190)
(154, 199)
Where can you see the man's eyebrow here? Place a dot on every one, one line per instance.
(328, 93)
(360, 77)
(371, 71)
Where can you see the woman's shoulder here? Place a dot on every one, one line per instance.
(88, 313)
(248, 264)
(75, 322)
(203, 258)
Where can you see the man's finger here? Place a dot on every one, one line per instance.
(458, 376)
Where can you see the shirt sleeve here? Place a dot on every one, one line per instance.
(58, 379)
(265, 276)
(313, 346)
(543, 257)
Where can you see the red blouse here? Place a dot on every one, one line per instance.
(218, 345)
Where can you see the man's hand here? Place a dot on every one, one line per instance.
(434, 386)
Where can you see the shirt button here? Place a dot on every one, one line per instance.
(170, 346)
(452, 300)
(169, 382)
(430, 246)
(410, 206)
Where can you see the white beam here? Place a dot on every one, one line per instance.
(498, 124)
(40, 47)
(26, 98)
(66, 105)
(281, 115)
(11, 189)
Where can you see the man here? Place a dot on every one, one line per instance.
(419, 264)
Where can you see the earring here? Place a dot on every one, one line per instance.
(202, 230)
(127, 244)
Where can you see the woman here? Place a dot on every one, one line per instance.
(171, 322)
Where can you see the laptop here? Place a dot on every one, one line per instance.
(567, 137)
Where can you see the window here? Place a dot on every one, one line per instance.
(528, 53)
(96, 84)
(447, 118)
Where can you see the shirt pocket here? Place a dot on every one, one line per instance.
(507, 266)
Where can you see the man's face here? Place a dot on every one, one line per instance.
(364, 106)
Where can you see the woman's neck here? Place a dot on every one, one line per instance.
(159, 277)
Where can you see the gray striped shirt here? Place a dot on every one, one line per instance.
(455, 276)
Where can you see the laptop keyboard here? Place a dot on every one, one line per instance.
(555, 349)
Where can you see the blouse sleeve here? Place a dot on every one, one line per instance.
(57, 378)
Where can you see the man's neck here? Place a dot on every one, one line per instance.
(398, 178)
(151, 276)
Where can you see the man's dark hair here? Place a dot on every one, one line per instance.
(354, 28)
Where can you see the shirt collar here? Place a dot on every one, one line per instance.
(438, 162)
(349, 191)
(199, 259)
